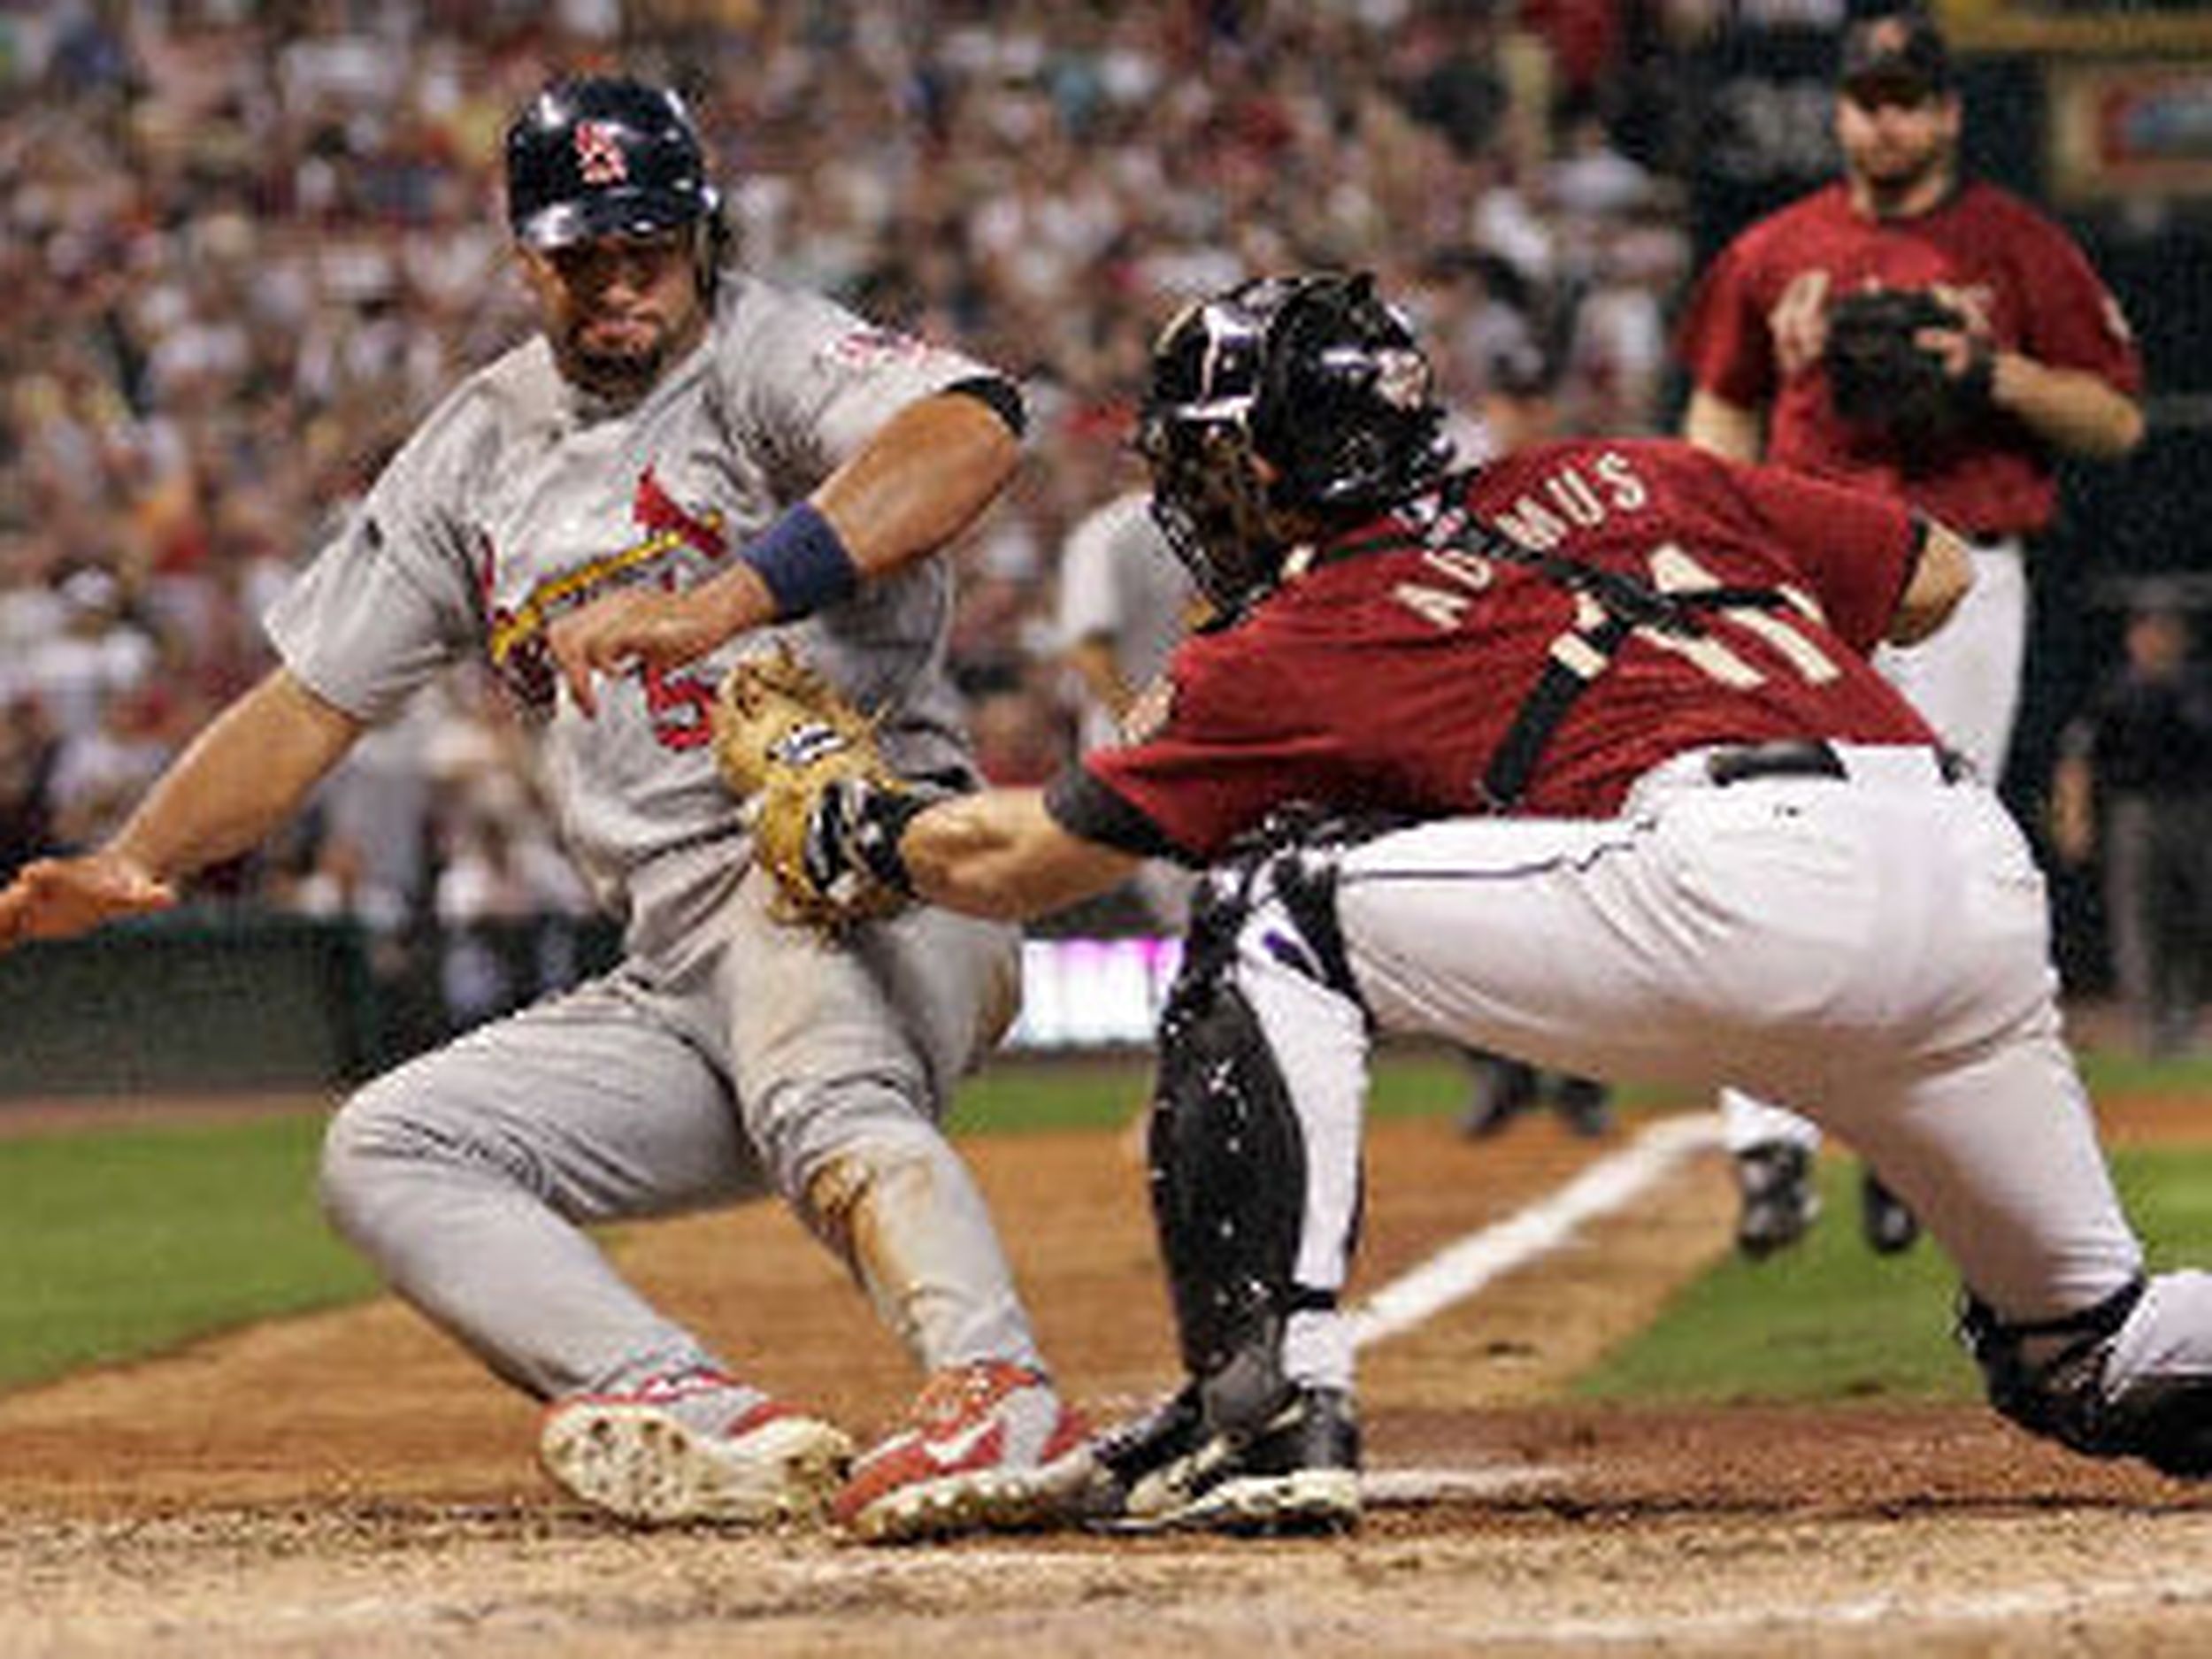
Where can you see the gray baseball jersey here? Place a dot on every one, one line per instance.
(1120, 580)
(726, 1056)
(522, 498)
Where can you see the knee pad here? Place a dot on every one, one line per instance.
(2069, 1393)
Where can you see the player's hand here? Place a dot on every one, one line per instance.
(1963, 351)
(59, 898)
(646, 628)
(1799, 323)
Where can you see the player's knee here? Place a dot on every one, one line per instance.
(2130, 1377)
(347, 1166)
(385, 1136)
(363, 1145)
(801, 1124)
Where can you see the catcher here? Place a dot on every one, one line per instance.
(1669, 822)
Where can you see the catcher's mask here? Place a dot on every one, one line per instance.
(1278, 408)
(605, 156)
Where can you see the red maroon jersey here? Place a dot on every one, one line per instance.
(2037, 289)
(1386, 680)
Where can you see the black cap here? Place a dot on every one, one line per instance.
(602, 157)
(1900, 53)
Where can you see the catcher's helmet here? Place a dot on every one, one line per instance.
(602, 157)
(1284, 404)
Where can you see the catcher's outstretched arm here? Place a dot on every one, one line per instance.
(922, 479)
(1000, 854)
(242, 776)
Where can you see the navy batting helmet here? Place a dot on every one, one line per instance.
(603, 157)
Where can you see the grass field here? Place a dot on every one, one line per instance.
(123, 1242)
(126, 1242)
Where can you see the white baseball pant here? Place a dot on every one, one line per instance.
(1874, 948)
(1964, 679)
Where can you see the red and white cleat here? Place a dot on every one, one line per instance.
(989, 1446)
(699, 1446)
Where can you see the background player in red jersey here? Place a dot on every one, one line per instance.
(1666, 821)
(1938, 341)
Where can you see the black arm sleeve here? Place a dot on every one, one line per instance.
(1083, 806)
(998, 395)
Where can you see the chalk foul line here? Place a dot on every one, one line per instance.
(1460, 1269)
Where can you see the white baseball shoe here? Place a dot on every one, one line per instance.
(697, 1446)
(988, 1446)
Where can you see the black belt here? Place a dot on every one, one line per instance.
(1803, 757)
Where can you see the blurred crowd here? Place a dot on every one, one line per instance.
(248, 245)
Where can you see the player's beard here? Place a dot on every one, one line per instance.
(621, 364)
(621, 355)
(1896, 177)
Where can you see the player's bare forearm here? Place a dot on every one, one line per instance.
(2070, 409)
(1726, 429)
(920, 482)
(2073, 820)
(245, 775)
(1938, 581)
(1001, 855)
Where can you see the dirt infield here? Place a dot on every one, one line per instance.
(350, 1485)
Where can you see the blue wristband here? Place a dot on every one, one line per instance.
(803, 562)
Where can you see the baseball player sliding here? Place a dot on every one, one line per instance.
(687, 460)
(1660, 818)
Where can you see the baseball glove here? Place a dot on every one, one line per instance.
(790, 746)
(1880, 379)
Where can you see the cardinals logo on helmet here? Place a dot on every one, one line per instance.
(599, 157)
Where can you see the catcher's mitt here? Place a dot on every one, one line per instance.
(786, 740)
(1880, 379)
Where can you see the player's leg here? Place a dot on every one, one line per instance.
(1965, 679)
(1998, 1155)
(2177, 919)
(1254, 1153)
(467, 1177)
(1875, 952)
(1256, 1131)
(2187, 833)
(1771, 1150)
(2131, 906)
(845, 1057)
(1949, 1072)
(1499, 1090)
